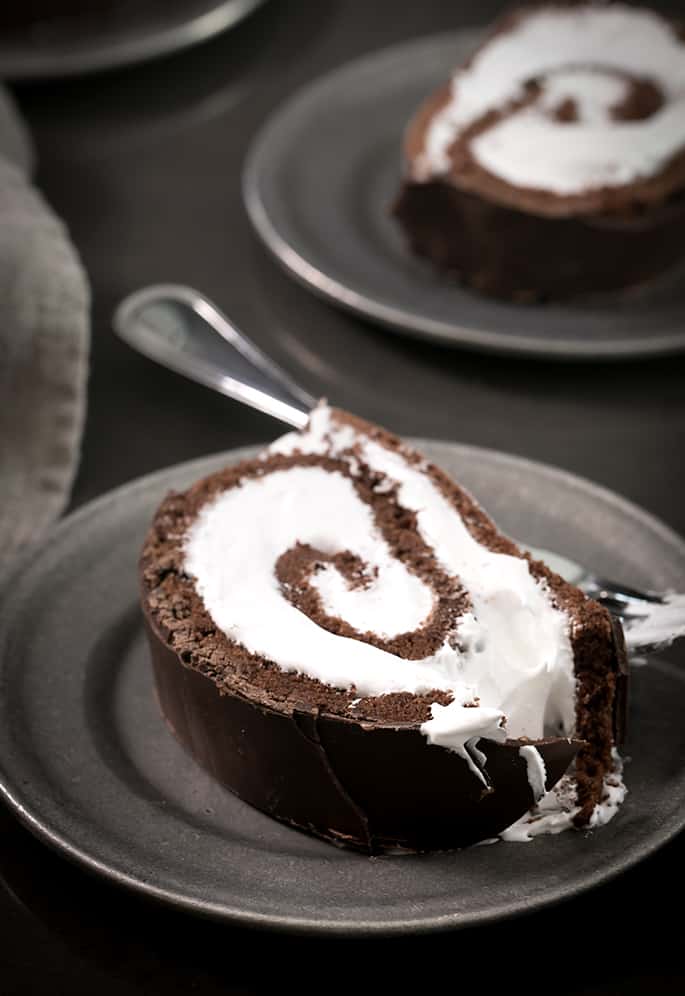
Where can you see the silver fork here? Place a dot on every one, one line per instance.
(181, 329)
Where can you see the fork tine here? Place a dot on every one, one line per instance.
(606, 592)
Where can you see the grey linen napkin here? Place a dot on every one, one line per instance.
(44, 338)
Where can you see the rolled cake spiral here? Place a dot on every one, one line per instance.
(566, 112)
(341, 578)
(567, 102)
(338, 578)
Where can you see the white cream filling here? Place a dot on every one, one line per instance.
(508, 665)
(537, 772)
(392, 603)
(573, 53)
(658, 624)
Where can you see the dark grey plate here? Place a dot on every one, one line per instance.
(133, 31)
(318, 184)
(88, 764)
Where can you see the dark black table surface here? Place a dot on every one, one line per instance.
(144, 166)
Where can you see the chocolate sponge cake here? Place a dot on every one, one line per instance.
(553, 161)
(341, 635)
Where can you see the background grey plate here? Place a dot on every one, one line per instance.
(318, 185)
(133, 31)
(88, 764)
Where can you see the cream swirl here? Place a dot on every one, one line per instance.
(566, 100)
(352, 566)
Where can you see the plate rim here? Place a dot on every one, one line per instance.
(61, 842)
(19, 65)
(409, 324)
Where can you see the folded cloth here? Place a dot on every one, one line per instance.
(44, 337)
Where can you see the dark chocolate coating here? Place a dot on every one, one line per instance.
(511, 253)
(374, 787)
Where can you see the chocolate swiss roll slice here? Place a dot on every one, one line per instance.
(342, 637)
(553, 162)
